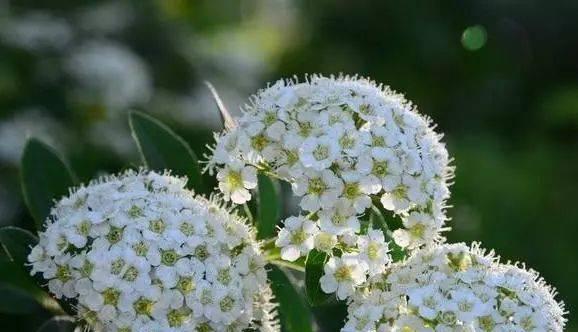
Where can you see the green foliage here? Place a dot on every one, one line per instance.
(268, 209)
(16, 243)
(294, 313)
(313, 272)
(20, 293)
(161, 149)
(44, 178)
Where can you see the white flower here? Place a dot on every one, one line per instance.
(340, 219)
(139, 251)
(419, 229)
(342, 274)
(235, 180)
(319, 152)
(374, 251)
(437, 289)
(296, 238)
(319, 189)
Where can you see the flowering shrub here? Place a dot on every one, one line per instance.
(453, 287)
(141, 252)
(138, 252)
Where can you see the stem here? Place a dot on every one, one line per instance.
(248, 213)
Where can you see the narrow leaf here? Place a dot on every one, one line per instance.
(313, 272)
(161, 149)
(294, 313)
(58, 324)
(228, 120)
(45, 178)
(16, 243)
(268, 209)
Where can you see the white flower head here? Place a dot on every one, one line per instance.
(138, 251)
(453, 287)
(344, 144)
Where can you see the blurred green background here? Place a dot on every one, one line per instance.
(500, 78)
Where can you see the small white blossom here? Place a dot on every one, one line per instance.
(235, 180)
(296, 238)
(342, 275)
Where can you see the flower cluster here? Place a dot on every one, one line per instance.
(344, 144)
(139, 252)
(454, 287)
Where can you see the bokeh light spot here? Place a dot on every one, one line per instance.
(474, 38)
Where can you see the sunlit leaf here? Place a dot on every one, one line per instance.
(313, 272)
(294, 313)
(45, 178)
(161, 149)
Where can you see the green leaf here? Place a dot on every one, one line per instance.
(45, 178)
(58, 324)
(313, 272)
(294, 313)
(268, 209)
(16, 243)
(161, 149)
(15, 301)
(23, 286)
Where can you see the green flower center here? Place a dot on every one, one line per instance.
(321, 152)
(351, 190)
(83, 228)
(135, 212)
(169, 257)
(316, 186)
(298, 237)
(116, 266)
(201, 253)
(185, 285)
(114, 234)
(143, 306)
(343, 273)
(157, 226)
(63, 273)
(234, 179)
(373, 250)
(187, 228)
(140, 248)
(111, 296)
(379, 168)
(347, 142)
(259, 142)
(378, 141)
(131, 274)
(226, 304)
